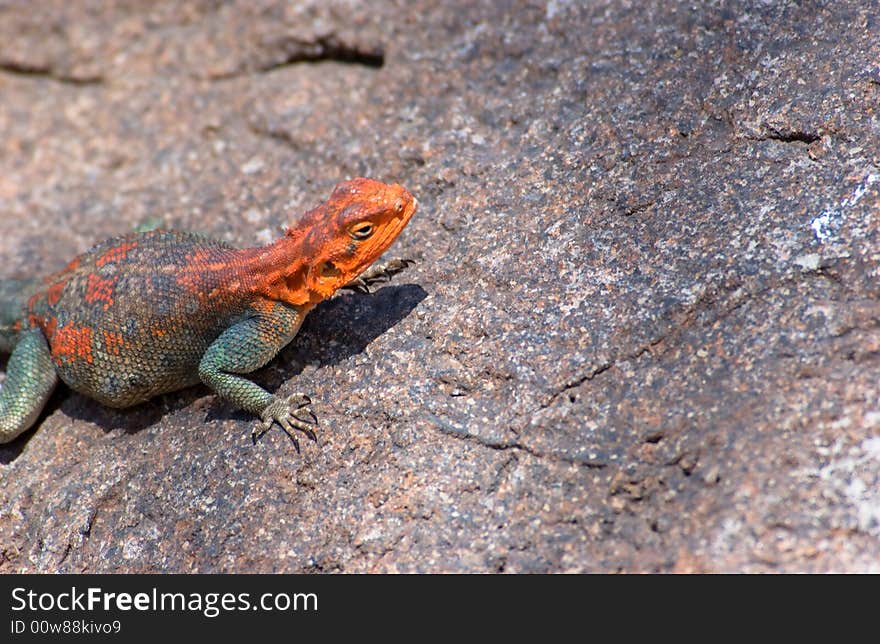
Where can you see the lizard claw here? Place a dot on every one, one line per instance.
(378, 275)
(293, 438)
(291, 414)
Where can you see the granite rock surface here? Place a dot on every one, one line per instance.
(642, 332)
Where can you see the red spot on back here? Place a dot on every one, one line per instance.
(201, 271)
(115, 254)
(71, 343)
(46, 324)
(53, 293)
(99, 289)
(198, 256)
(112, 342)
(49, 325)
(72, 266)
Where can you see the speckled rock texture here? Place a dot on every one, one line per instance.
(642, 333)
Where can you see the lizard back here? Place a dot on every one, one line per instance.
(131, 317)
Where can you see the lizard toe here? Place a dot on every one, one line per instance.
(311, 435)
(261, 429)
(288, 429)
(306, 416)
(299, 400)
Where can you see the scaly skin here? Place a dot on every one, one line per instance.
(148, 313)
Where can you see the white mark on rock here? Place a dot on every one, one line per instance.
(554, 8)
(809, 262)
(253, 166)
(851, 478)
(861, 189)
(265, 236)
(253, 215)
(826, 225)
(871, 446)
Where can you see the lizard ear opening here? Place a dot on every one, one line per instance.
(329, 270)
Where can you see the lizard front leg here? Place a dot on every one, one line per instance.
(30, 379)
(379, 274)
(246, 346)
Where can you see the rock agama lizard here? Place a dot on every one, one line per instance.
(149, 313)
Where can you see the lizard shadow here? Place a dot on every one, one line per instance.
(334, 331)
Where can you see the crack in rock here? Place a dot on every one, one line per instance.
(293, 51)
(25, 70)
(786, 135)
(449, 429)
(723, 302)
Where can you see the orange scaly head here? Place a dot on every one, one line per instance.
(349, 231)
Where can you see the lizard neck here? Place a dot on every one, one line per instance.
(279, 271)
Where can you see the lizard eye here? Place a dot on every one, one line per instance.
(361, 230)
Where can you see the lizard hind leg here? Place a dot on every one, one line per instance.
(30, 379)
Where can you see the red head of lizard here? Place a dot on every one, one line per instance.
(330, 245)
(340, 238)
